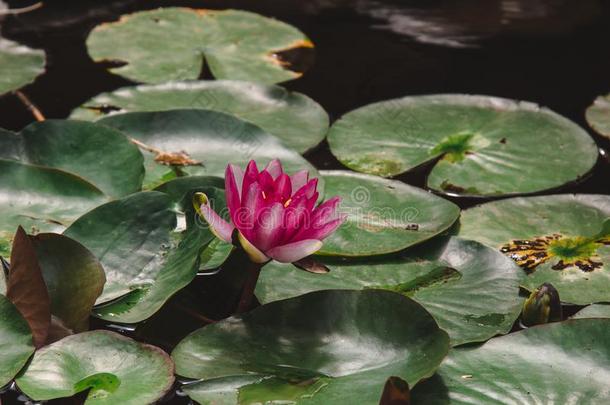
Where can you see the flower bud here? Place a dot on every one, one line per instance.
(542, 306)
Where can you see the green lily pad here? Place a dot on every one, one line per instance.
(98, 154)
(174, 43)
(73, 276)
(383, 216)
(210, 137)
(565, 362)
(20, 65)
(41, 200)
(294, 118)
(559, 239)
(16, 345)
(321, 348)
(481, 146)
(114, 368)
(598, 115)
(594, 311)
(471, 290)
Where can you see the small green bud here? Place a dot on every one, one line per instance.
(542, 306)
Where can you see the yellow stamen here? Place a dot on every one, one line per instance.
(264, 195)
(287, 203)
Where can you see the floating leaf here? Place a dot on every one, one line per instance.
(471, 290)
(594, 311)
(26, 287)
(214, 254)
(294, 118)
(561, 239)
(321, 348)
(384, 216)
(115, 370)
(598, 115)
(485, 146)
(173, 43)
(210, 137)
(98, 154)
(129, 237)
(41, 200)
(73, 276)
(20, 65)
(562, 363)
(16, 345)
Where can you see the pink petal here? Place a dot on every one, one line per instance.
(296, 215)
(283, 187)
(231, 191)
(299, 179)
(253, 253)
(219, 227)
(307, 190)
(238, 174)
(253, 203)
(274, 168)
(268, 228)
(327, 211)
(292, 252)
(321, 231)
(266, 182)
(250, 176)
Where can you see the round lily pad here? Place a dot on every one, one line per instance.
(114, 368)
(98, 154)
(565, 362)
(41, 200)
(559, 239)
(174, 43)
(294, 118)
(480, 146)
(16, 345)
(325, 347)
(594, 311)
(211, 139)
(471, 290)
(20, 65)
(598, 115)
(383, 216)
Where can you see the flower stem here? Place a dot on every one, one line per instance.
(247, 293)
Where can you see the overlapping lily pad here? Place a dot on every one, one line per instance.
(15, 341)
(471, 290)
(481, 146)
(321, 348)
(174, 43)
(598, 115)
(211, 138)
(41, 200)
(20, 65)
(594, 311)
(294, 118)
(559, 239)
(384, 216)
(562, 363)
(98, 154)
(115, 370)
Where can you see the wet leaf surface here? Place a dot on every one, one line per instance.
(598, 115)
(384, 216)
(594, 311)
(174, 43)
(16, 344)
(471, 290)
(20, 65)
(294, 118)
(115, 369)
(481, 146)
(320, 348)
(560, 239)
(564, 362)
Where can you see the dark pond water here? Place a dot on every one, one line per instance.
(553, 52)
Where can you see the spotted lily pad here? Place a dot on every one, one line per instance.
(320, 348)
(115, 370)
(565, 362)
(559, 239)
(471, 290)
(294, 118)
(41, 200)
(598, 115)
(98, 154)
(594, 311)
(480, 146)
(384, 216)
(20, 65)
(173, 43)
(16, 345)
(211, 138)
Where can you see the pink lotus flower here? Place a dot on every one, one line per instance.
(274, 214)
